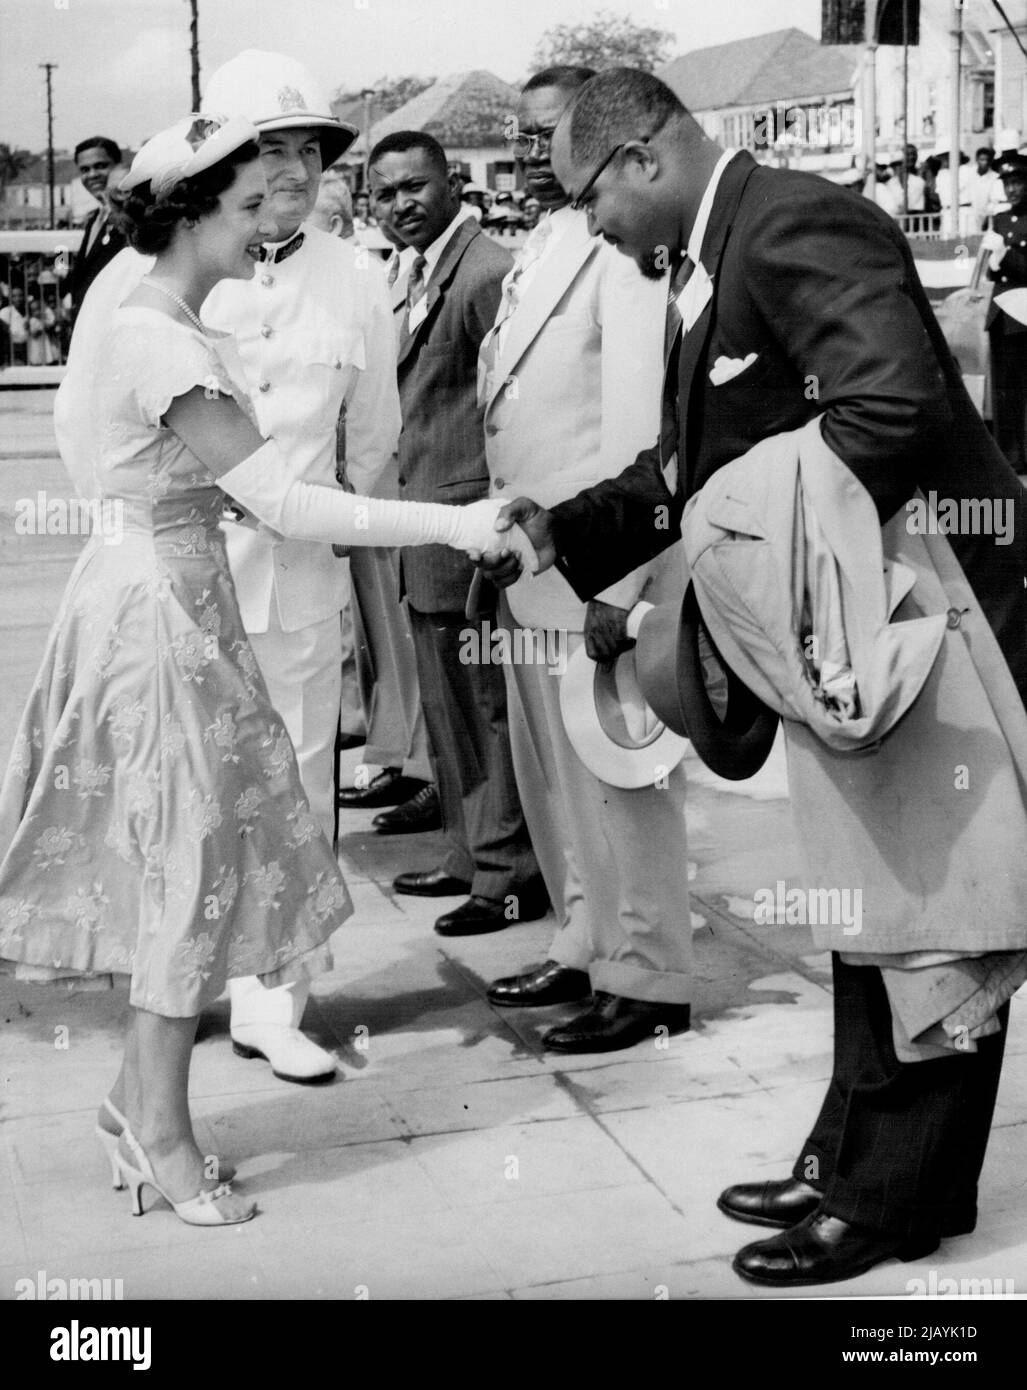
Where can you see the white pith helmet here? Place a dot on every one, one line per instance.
(276, 92)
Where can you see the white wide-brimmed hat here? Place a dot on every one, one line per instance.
(277, 93)
(611, 727)
(188, 147)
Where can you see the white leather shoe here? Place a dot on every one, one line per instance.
(293, 1057)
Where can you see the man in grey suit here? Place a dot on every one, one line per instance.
(453, 292)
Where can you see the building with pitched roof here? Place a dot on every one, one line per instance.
(779, 95)
(468, 113)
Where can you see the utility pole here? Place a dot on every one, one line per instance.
(955, 102)
(194, 51)
(870, 100)
(49, 136)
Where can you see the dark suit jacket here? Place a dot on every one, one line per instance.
(87, 266)
(442, 445)
(822, 286)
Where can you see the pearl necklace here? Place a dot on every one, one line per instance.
(175, 299)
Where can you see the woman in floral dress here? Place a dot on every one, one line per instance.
(152, 820)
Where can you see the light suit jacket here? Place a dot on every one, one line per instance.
(574, 397)
(320, 333)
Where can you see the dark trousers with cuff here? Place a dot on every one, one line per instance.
(464, 704)
(899, 1146)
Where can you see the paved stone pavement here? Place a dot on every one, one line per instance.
(452, 1157)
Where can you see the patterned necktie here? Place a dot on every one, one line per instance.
(416, 287)
(670, 422)
(393, 274)
(513, 290)
(673, 325)
(531, 252)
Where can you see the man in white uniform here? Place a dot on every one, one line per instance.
(314, 328)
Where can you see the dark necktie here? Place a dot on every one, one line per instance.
(670, 426)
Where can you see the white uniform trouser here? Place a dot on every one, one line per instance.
(303, 673)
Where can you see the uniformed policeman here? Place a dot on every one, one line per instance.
(1007, 266)
(314, 330)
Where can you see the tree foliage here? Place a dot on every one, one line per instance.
(12, 162)
(604, 41)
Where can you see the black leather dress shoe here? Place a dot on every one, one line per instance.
(389, 788)
(422, 812)
(614, 1022)
(783, 1203)
(477, 915)
(432, 883)
(822, 1249)
(548, 984)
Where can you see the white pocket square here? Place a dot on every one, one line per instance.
(726, 368)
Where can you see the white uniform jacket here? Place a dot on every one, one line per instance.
(314, 330)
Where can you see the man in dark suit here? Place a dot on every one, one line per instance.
(96, 158)
(795, 301)
(1007, 333)
(453, 291)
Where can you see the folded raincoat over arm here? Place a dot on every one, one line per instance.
(906, 736)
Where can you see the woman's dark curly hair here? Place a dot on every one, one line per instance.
(149, 223)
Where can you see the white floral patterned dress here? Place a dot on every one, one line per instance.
(152, 819)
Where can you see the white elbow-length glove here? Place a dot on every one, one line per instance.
(310, 511)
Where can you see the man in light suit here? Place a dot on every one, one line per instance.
(314, 331)
(797, 302)
(572, 377)
(452, 296)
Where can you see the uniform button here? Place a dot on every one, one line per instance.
(267, 281)
(953, 617)
(265, 386)
(402, 481)
(1005, 279)
(265, 330)
(499, 482)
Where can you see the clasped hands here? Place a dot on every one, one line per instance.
(524, 540)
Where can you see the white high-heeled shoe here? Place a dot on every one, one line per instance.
(221, 1207)
(109, 1140)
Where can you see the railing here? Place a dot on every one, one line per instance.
(35, 325)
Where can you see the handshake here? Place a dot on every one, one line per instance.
(505, 540)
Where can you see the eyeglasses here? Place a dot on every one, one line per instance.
(579, 203)
(525, 141)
